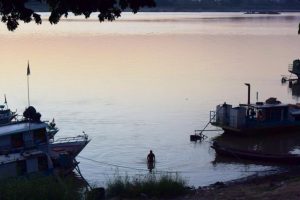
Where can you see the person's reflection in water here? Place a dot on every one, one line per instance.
(151, 161)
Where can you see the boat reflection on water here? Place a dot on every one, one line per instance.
(283, 143)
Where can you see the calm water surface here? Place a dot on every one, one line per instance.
(147, 81)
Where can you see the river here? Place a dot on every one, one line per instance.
(147, 81)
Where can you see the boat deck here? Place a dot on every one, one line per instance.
(4, 159)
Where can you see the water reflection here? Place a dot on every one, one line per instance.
(139, 85)
(281, 143)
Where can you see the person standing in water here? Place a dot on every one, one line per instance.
(151, 157)
(151, 161)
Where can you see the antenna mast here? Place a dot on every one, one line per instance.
(5, 101)
(28, 73)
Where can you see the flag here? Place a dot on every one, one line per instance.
(28, 69)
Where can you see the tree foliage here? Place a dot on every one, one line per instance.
(13, 11)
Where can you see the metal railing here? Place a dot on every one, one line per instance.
(79, 138)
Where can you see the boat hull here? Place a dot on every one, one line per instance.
(254, 130)
(256, 156)
(63, 155)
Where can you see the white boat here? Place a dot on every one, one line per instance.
(28, 145)
(257, 118)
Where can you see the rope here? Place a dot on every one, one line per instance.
(161, 171)
(80, 174)
(125, 167)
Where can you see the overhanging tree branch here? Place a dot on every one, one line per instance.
(13, 11)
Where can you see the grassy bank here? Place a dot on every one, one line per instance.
(50, 188)
(37, 188)
(151, 185)
(277, 186)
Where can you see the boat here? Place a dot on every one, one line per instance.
(27, 146)
(257, 118)
(255, 155)
(268, 12)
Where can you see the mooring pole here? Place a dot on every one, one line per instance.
(248, 85)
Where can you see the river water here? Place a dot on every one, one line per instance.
(147, 81)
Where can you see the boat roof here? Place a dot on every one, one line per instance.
(14, 128)
(266, 105)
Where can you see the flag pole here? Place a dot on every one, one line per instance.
(28, 73)
(5, 101)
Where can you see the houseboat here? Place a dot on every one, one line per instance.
(257, 118)
(28, 146)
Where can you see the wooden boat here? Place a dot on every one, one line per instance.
(256, 156)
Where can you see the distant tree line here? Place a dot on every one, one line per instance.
(228, 5)
(13, 11)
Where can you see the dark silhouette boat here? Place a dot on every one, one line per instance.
(255, 155)
(266, 12)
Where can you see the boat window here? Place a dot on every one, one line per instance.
(261, 115)
(43, 163)
(21, 167)
(17, 140)
(274, 114)
(39, 136)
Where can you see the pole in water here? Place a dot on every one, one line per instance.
(28, 73)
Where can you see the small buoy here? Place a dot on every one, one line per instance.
(193, 138)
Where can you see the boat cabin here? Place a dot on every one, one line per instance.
(269, 114)
(15, 137)
(19, 164)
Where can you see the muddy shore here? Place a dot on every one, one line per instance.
(283, 185)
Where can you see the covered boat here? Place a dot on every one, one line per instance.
(257, 118)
